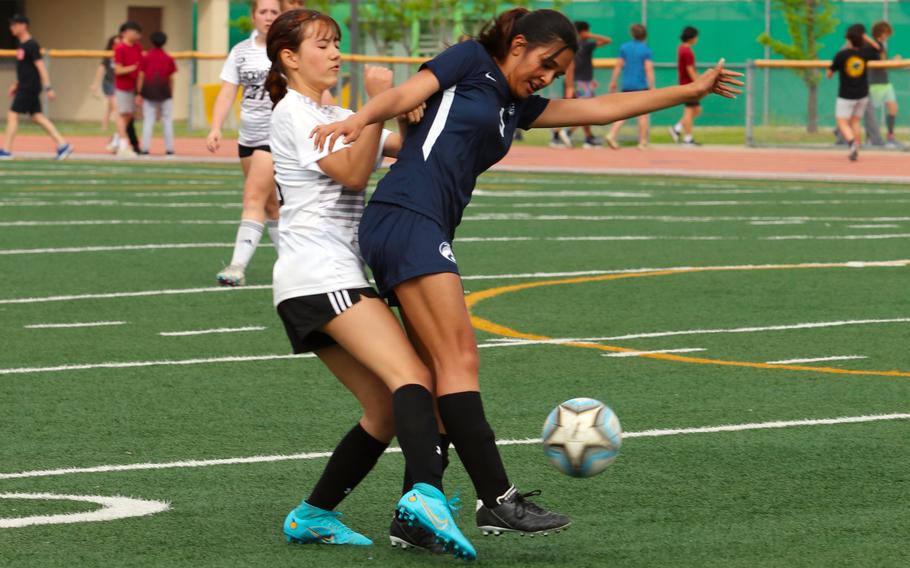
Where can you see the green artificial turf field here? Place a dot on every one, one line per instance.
(752, 337)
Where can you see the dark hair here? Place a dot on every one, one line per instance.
(19, 19)
(287, 32)
(110, 42)
(638, 31)
(881, 28)
(855, 35)
(158, 39)
(539, 27)
(130, 25)
(582, 26)
(688, 33)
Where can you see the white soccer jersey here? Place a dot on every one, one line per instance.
(318, 250)
(248, 65)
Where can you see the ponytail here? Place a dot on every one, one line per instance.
(539, 27)
(275, 83)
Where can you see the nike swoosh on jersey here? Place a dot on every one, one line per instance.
(490, 77)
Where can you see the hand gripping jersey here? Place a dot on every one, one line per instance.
(468, 127)
(247, 65)
(317, 249)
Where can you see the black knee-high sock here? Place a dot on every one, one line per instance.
(467, 427)
(351, 461)
(131, 132)
(890, 120)
(408, 482)
(418, 434)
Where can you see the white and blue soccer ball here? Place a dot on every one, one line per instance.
(582, 436)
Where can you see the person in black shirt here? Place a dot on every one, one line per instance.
(31, 79)
(853, 92)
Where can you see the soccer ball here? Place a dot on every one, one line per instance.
(582, 436)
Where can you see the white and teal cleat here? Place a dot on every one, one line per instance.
(308, 524)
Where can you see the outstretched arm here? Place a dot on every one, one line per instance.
(620, 106)
(389, 104)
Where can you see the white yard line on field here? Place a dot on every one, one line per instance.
(655, 433)
(592, 238)
(512, 276)
(107, 222)
(112, 508)
(649, 335)
(69, 325)
(816, 359)
(163, 362)
(208, 331)
(640, 353)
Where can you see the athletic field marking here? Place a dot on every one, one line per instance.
(817, 359)
(655, 433)
(485, 325)
(117, 248)
(68, 325)
(559, 193)
(640, 353)
(114, 248)
(112, 508)
(163, 362)
(884, 226)
(108, 222)
(207, 331)
(707, 203)
(786, 327)
(885, 222)
(114, 203)
(514, 276)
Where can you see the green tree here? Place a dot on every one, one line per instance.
(807, 22)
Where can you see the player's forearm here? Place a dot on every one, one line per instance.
(693, 74)
(361, 158)
(605, 109)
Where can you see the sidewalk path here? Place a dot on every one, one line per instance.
(708, 161)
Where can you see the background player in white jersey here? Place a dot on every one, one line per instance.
(246, 68)
(322, 294)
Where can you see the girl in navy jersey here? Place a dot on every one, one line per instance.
(323, 297)
(477, 93)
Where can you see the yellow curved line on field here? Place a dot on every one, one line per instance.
(486, 325)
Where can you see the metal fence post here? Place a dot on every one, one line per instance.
(192, 91)
(750, 102)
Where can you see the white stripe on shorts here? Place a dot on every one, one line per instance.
(347, 298)
(335, 305)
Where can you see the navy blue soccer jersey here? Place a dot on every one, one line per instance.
(467, 127)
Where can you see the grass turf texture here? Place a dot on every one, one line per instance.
(814, 495)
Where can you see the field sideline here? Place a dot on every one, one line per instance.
(750, 334)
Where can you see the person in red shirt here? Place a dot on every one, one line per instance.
(685, 63)
(127, 56)
(156, 87)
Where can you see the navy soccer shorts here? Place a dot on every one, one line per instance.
(399, 244)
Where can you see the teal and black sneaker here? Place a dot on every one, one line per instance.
(426, 506)
(309, 524)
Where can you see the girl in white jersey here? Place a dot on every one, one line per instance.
(323, 297)
(246, 67)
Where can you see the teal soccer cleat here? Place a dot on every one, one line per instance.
(426, 506)
(308, 524)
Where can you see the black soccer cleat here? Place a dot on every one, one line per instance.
(516, 514)
(405, 536)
